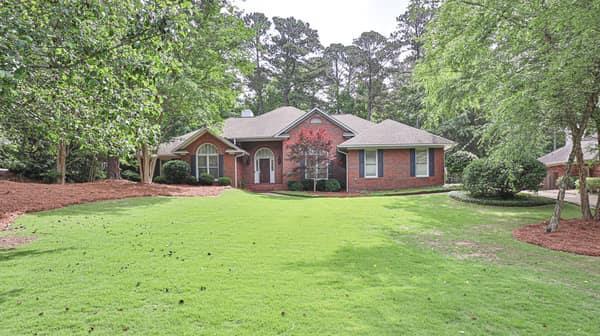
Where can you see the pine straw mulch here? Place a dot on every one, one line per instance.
(574, 235)
(17, 198)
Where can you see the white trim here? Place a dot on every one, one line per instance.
(376, 163)
(394, 146)
(427, 164)
(306, 170)
(207, 160)
(271, 165)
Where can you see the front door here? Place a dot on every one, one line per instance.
(265, 170)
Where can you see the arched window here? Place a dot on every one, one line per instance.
(208, 160)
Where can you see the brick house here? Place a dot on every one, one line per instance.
(556, 161)
(253, 151)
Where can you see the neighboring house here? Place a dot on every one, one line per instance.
(253, 151)
(556, 161)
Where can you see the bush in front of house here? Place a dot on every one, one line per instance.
(332, 185)
(295, 186)
(176, 171)
(224, 181)
(191, 180)
(131, 175)
(206, 179)
(159, 179)
(307, 185)
(456, 162)
(503, 178)
(592, 184)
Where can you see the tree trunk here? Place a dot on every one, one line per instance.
(147, 163)
(114, 169)
(92, 171)
(560, 198)
(586, 213)
(61, 161)
(597, 210)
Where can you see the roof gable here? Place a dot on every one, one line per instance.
(179, 144)
(307, 115)
(266, 125)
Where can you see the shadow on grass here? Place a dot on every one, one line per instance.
(5, 296)
(108, 207)
(11, 254)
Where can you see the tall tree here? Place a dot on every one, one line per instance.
(260, 25)
(375, 55)
(529, 66)
(292, 52)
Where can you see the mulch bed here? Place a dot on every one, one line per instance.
(575, 236)
(17, 198)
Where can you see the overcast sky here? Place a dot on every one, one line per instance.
(335, 20)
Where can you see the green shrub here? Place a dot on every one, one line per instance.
(191, 180)
(224, 181)
(332, 185)
(206, 179)
(130, 175)
(307, 185)
(160, 180)
(592, 184)
(176, 171)
(488, 177)
(295, 186)
(456, 162)
(320, 185)
(516, 201)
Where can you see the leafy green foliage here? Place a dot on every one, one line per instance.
(160, 179)
(130, 175)
(457, 161)
(176, 171)
(295, 186)
(224, 181)
(206, 179)
(490, 177)
(592, 184)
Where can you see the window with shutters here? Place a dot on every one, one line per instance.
(370, 163)
(208, 160)
(316, 166)
(422, 162)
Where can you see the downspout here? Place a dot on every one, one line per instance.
(346, 155)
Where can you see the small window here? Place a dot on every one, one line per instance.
(371, 163)
(422, 162)
(315, 120)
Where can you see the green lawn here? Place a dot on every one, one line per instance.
(245, 264)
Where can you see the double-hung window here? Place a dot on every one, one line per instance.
(316, 166)
(208, 160)
(422, 162)
(371, 163)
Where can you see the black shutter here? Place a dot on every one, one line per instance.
(193, 167)
(221, 165)
(380, 162)
(361, 163)
(156, 169)
(330, 169)
(413, 162)
(431, 161)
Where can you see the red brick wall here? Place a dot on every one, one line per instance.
(228, 159)
(396, 172)
(336, 135)
(246, 164)
(554, 172)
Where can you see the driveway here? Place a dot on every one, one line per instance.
(571, 196)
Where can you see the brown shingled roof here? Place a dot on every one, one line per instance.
(262, 126)
(391, 133)
(561, 155)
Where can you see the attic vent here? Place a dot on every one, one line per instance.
(315, 120)
(247, 114)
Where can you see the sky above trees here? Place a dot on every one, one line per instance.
(337, 21)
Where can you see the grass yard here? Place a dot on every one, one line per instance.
(245, 264)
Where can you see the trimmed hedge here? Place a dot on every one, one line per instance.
(516, 201)
(295, 186)
(176, 171)
(190, 180)
(160, 179)
(206, 179)
(130, 175)
(332, 185)
(224, 181)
